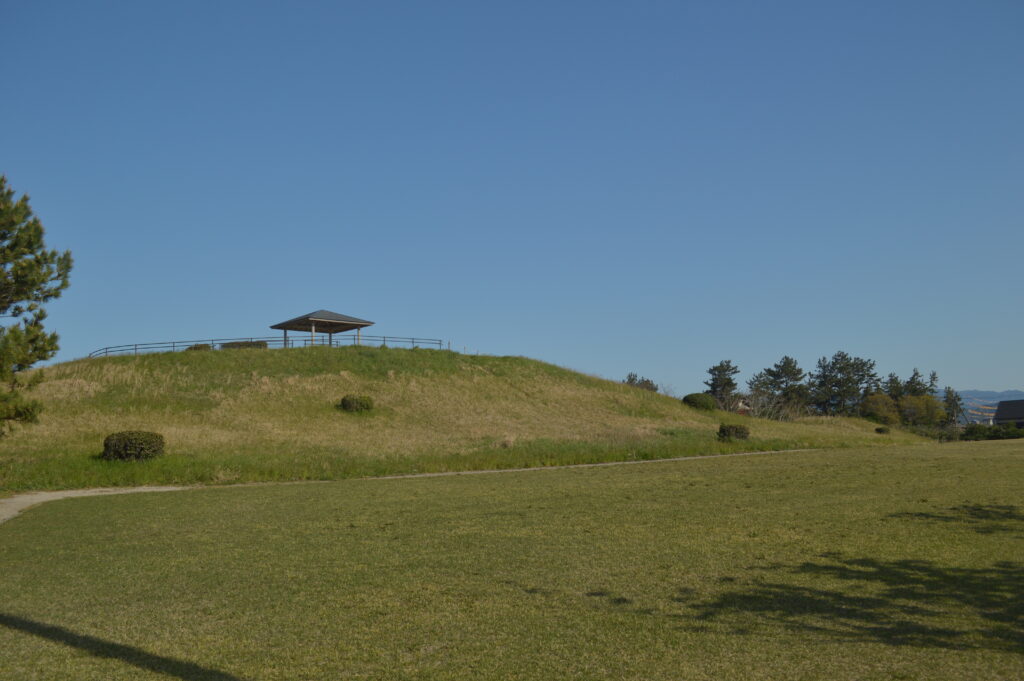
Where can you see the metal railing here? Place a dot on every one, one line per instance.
(271, 342)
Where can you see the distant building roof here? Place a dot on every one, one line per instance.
(1010, 410)
(323, 321)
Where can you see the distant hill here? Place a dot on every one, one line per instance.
(980, 404)
(992, 396)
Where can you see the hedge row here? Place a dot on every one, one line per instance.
(238, 345)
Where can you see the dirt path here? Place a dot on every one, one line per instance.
(13, 506)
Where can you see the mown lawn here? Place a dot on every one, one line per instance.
(894, 563)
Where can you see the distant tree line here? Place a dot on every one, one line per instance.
(841, 385)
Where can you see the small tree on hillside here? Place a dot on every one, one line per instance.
(953, 405)
(640, 382)
(781, 385)
(722, 384)
(30, 275)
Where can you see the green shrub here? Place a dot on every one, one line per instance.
(933, 432)
(133, 445)
(976, 431)
(882, 430)
(200, 346)
(880, 408)
(356, 403)
(921, 410)
(1008, 431)
(979, 431)
(701, 401)
(728, 432)
(237, 345)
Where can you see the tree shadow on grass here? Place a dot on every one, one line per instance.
(187, 671)
(900, 603)
(982, 518)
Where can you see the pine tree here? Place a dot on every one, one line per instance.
(787, 380)
(30, 275)
(722, 386)
(916, 386)
(893, 386)
(840, 383)
(954, 406)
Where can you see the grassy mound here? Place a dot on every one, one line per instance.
(250, 415)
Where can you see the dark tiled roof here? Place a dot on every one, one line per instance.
(325, 321)
(1010, 410)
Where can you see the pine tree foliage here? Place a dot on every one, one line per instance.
(915, 386)
(30, 275)
(893, 386)
(953, 405)
(783, 382)
(722, 383)
(840, 383)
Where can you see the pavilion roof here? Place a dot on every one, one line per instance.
(324, 321)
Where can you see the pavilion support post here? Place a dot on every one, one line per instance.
(312, 334)
(359, 336)
(286, 338)
(330, 339)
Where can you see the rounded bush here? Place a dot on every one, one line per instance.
(133, 445)
(241, 345)
(356, 403)
(728, 432)
(882, 430)
(701, 401)
(200, 346)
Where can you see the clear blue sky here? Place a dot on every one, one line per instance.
(613, 187)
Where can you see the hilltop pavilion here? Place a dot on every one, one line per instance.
(323, 321)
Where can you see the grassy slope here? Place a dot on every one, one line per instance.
(247, 415)
(858, 564)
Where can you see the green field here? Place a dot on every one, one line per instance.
(262, 415)
(870, 563)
